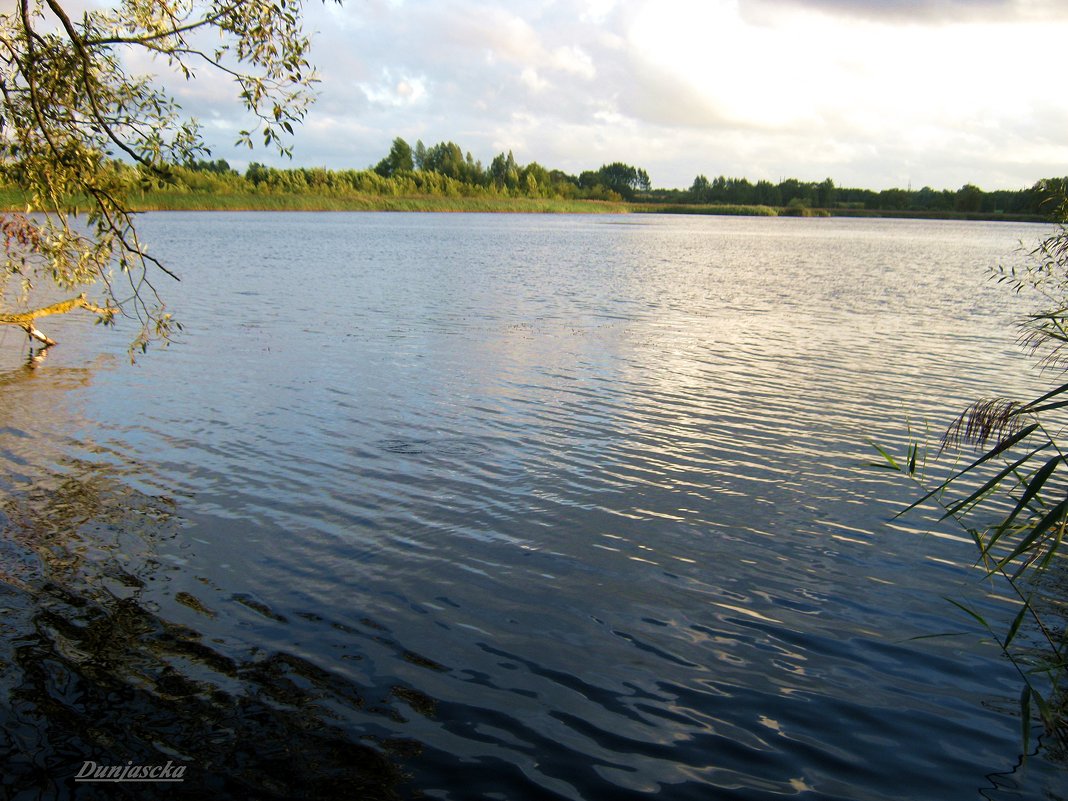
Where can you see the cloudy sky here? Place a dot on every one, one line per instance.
(872, 93)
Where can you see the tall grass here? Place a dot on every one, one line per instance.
(166, 200)
(163, 200)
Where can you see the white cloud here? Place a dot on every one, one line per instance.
(575, 61)
(868, 93)
(532, 80)
(395, 92)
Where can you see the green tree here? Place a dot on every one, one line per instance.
(399, 160)
(969, 198)
(827, 194)
(68, 107)
(893, 199)
(503, 172)
(623, 179)
(928, 199)
(767, 194)
(700, 189)
(535, 179)
(445, 158)
(739, 190)
(219, 167)
(790, 189)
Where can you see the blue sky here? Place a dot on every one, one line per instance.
(873, 94)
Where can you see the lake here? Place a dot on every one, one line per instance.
(516, 507)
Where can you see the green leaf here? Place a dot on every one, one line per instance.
(1044, 708)
(971, 613)
(1015, 627)
(955, 508)
(939, 635)
(890, 461)
(1037, 405)
(1001, 447)
(1038, 480)
(1055, 515)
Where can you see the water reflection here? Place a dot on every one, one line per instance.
(93, 667)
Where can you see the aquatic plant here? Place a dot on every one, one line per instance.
(1012, 500)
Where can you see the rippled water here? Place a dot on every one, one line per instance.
(512, 507)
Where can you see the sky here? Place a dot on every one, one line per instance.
(870, 93)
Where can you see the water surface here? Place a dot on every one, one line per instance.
(513, 507)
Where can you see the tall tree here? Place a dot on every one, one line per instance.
(700, 189)
(399, 159)
(827, 194)
(969, 198)
(623, 178)
(503, 171)
(68, 107)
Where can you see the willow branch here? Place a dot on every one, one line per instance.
(175, 31)
(84, 61)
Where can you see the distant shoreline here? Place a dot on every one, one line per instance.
(768, 211)
(13, 201)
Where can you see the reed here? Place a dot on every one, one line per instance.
(1012, 500)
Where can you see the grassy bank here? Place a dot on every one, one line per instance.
(254, 201)
(702, 208)
(13, 200)
(940, 215)
(794, 211)
(164, 200)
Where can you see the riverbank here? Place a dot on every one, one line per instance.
(13, 200)
(165, 201)
(162, 200)
(794, 211)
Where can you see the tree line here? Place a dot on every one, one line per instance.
(825, 195)
(443, 169)
(446, 170)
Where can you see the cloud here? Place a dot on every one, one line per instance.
(875, 94)
(393, 92)
(916, 11)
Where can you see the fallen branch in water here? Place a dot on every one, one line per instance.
(25, 320)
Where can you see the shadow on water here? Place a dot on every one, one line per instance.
(91, 669)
